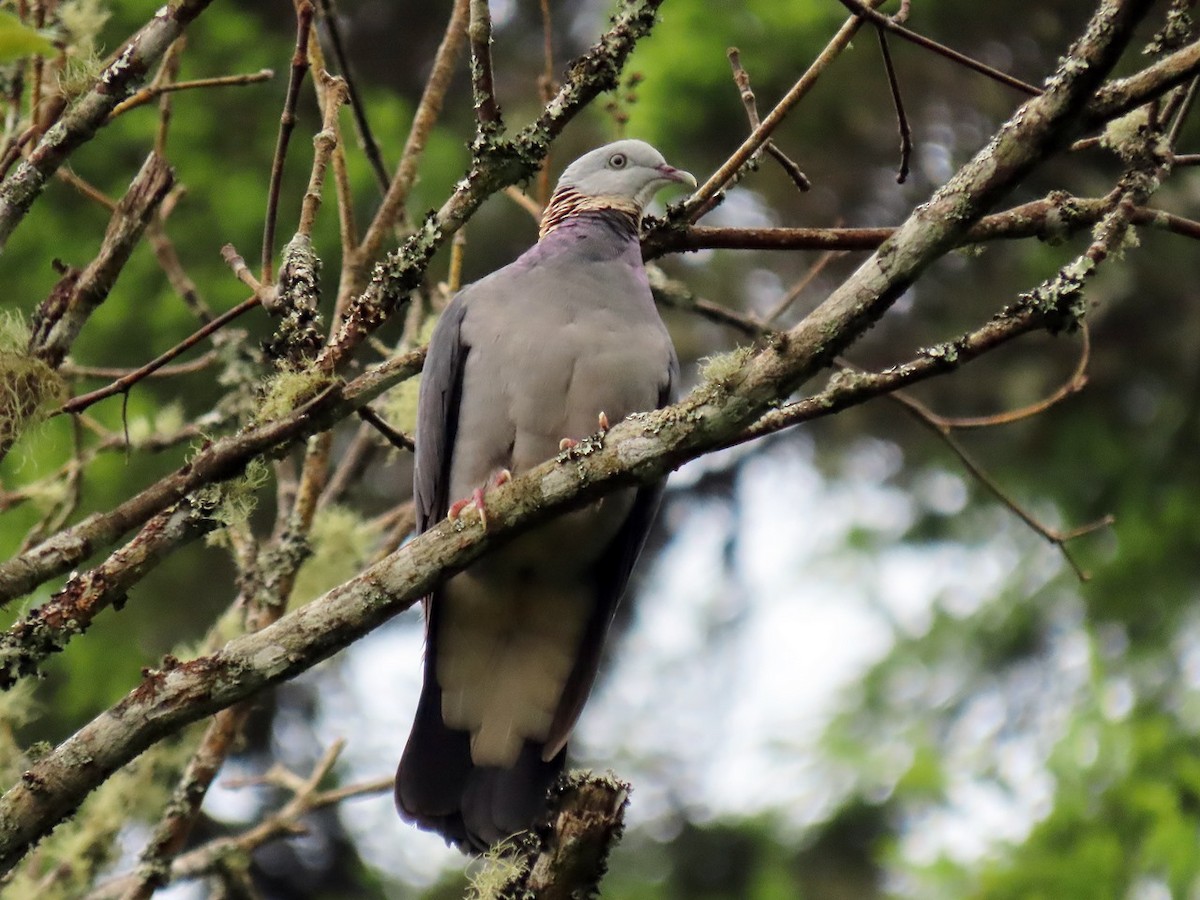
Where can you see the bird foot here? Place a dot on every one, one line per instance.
(476, 499)
(570, 443)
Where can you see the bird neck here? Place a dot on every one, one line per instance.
(566, 203)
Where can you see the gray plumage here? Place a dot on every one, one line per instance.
(519, 360)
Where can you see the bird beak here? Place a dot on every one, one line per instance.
(672, 174)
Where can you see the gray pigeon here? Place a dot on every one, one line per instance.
(531, 358)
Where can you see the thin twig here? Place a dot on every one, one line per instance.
(287, 122)
(241, 271)
(397, 439)
(888, 23)
(546, 88)
(429, 109)
(1073, 385)
(458, 248)
(86, 188)
(742, 78)
(366, 138)
(703, 199)
(523, 200)
(167, 73)
(72, 370)
(799, 287)
(125, 382)
(147, 94)
(62, 315)
(284, 822)
(172, 266)
(1185, 107)
(1055, 536)
(334, 94)
(906, 143)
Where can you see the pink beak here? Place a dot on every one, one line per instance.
(673, 174)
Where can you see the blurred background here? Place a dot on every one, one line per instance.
(846, 670)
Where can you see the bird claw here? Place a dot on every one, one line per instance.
(476, 499)
(570, 443)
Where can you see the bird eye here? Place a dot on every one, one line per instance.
(617, 161)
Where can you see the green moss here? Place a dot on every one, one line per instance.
(498, 870)
(721, 368)
(82, 20)
(27, 385)
(341, 543)
(232, 502)
(288, 390)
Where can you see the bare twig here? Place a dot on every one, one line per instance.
(898, 104)
(122, 384)
(703, 198)
(1055, 536)
(800, 286)
(62, 315)
(87, 189)
(892, 24)
(397, 439)
(327, 10)
(167, 73)
(523, 200)
(325, 142)
(546, 88)
(284, 822)
(1073, 385)
(148, 94)
(287, 122)
(742, 78)
(429, 109)
(72, 370)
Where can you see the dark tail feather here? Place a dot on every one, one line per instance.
(441, 790)
(433, 771)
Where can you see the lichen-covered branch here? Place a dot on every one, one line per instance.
(118, 81)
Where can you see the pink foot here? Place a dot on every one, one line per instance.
(476, 499)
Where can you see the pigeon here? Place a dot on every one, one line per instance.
(523, 363)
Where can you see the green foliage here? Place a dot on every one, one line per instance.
(1129, 816)
(341, 544)
(18, 39)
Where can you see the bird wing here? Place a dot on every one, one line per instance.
(437, 414)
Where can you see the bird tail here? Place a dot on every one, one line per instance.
(440, 789)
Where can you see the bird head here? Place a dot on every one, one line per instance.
(625, 171)
(620, 178)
